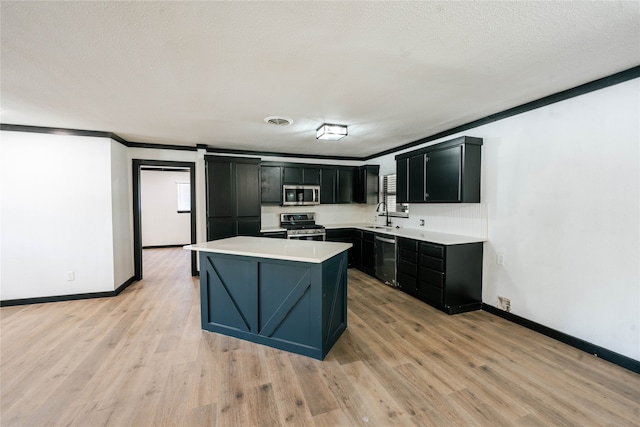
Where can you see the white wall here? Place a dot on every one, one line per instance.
(180, 156)
(122, 216)
(56, 215)
(161, 222)
(561, 189)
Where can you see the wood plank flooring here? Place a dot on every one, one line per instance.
(141, 359)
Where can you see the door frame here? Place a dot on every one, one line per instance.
(137, 210)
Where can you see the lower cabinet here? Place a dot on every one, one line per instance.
(368, 264)
(407, 265)
(275, 234)
(357, 249)
(446, 277)
(342, 235)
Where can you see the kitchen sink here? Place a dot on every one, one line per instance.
(378, 227)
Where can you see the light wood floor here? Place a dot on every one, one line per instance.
(141, 359)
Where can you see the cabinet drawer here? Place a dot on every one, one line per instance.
(431, 262)
(431, 294)
(432, 277)
(407, 255)
(407, 268)
(409, 244)
(407, 283)
(432, 250)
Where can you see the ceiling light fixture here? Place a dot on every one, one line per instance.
(331, 132)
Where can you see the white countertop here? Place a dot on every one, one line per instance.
(412, 233)
(265, 247)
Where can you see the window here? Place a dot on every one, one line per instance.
(389, 197)
(184, 197)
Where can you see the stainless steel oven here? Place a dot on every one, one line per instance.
(302, 226)
(310, 234)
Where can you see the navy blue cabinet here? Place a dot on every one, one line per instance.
(293, 306)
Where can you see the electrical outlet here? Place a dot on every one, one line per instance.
(71, 276)
(422, 223)
(500, 257)
(504, 304)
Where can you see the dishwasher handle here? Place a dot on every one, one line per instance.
(382, 239)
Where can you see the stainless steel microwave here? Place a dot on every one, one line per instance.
(300, 195)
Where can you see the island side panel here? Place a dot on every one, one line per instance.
(334, 294)
(290, 305)
(227, 294)
(274, 302)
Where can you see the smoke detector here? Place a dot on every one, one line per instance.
(278, 120)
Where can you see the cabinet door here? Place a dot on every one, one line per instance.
(248, 189)
(220, 228)
(328, 184)
(368, 253)
(402, 181)
(359, 180)
(219, 189)
(271, 184)
(366, 184)
(416, 178)
(275, 234)
(343, 235)
(311, 176)
(233, 195)
(345, 185)
(292, 175)
(372, 185)
(443, 179)
(357, 249)
(248, 227)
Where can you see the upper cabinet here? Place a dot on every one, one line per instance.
(328, 185)
(300, 175)
(271, 184)
(448, 172)
(338, 184)
(367, 184)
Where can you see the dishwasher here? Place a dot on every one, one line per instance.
(386, 260)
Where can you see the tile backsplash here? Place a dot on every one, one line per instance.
(325, 214)
(469, 219)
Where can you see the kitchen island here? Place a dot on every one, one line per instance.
(287, 294)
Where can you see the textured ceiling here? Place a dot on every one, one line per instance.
(192, 73)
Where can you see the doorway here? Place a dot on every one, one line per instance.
(138, 164)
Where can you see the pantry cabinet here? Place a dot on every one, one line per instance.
(233, 197)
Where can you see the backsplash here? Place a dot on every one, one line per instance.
(325, 214)
(469, 219)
